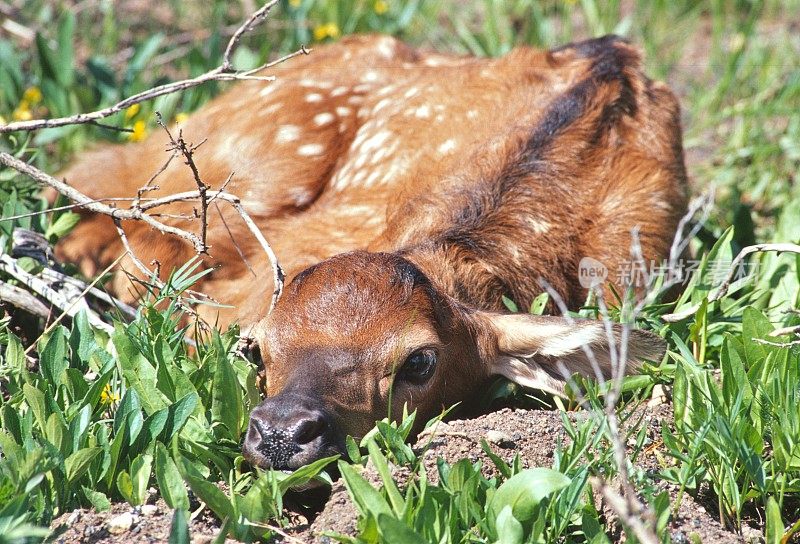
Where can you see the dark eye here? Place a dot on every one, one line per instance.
(418, 367)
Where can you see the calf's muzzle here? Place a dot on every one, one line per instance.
(290, 430)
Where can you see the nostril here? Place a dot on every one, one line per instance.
(309, 428)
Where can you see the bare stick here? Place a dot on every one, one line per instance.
(137, 213)
(23, 300)
(224, 72)
(631, 519)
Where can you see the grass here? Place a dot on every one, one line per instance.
(102, 417)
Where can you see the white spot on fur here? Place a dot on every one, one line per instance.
(375, 141)
(266, 91)
(313, 98)
(370, 76)
(372, 178)
(413, 91)
(269, 110)
(364, 87)
(342, 111)
(386, 47)
(286, 134)
(355, 100)
(310, 150)
(423, 112)
(448, 146)
(382, 104)
(338, 91)
(472, 114)
(324, 118)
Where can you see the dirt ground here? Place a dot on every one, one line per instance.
(533, 434)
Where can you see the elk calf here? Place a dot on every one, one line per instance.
(405, 193)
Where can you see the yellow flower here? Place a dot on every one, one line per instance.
(32, 95)
(108, 396)
(295, 3)
(328, 30)
(380, 6)
(139, 131)
(181, 117)
(23, 112)
(131, 112)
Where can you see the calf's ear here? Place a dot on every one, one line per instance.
(530, 350)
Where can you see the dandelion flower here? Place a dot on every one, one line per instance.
(23, 111)
(131, 112)
(328, 30)
(380, 7)
(108, 396)
(139, 131)
(32, 95)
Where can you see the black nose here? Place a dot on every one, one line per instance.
(289, 431)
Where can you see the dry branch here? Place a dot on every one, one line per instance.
(138, 208)
(68, 298)
(23, 300)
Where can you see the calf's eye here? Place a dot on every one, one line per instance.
(418, 367)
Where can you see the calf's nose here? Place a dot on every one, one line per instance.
(286, 433)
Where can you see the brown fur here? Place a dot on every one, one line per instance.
(485, 175)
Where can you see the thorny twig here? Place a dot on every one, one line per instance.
(187, 150)
(223, 72)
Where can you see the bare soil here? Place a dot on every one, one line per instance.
(533, 434)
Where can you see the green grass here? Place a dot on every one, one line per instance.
(102, 418)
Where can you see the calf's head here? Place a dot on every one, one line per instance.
(356, 337)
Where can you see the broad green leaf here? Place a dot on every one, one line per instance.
(140, 477)
(53, 358)
(774, 528)
(62, 226)
(395, 531)
(98, 499)
(125, 487)
(509, 530)
(179, 530)
(170, 481)
(54, 431)
(524, 491)
(177, 414)
(226, 405)
(539, 303)
(206, 491)
(305, 474)
(366, 498)
(138, 371)
(15, 354)
(36, 401)
(77, 463)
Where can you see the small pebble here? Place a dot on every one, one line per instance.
(149, 510)
(73, 518)
(120, 524)
(678, 537)
(497, 437)
(660, 396)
